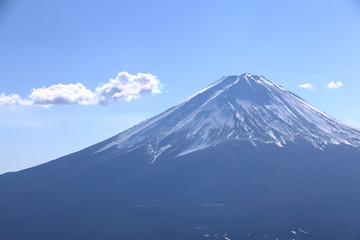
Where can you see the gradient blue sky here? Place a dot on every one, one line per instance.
(186, 44)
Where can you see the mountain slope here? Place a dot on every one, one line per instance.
(246, 107)
(242, 159)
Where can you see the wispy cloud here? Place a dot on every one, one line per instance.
(125, 87)
(308, 86)
(334, 84)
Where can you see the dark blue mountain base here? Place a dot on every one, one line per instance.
(242, 159)
(234, 191)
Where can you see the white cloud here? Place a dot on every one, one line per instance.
(334, 84)
(9, 99)
(12, 99)
(308, 86)
(124, 87)
(61, 94)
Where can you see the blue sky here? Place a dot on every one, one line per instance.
(185, 44)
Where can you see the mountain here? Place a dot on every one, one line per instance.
(241, 108)
(242, 159)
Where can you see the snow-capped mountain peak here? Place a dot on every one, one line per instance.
(235, 108)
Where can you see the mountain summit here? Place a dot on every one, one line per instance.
(236, 108)
(241, 159)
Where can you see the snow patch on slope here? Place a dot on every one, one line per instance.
(236, 108)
